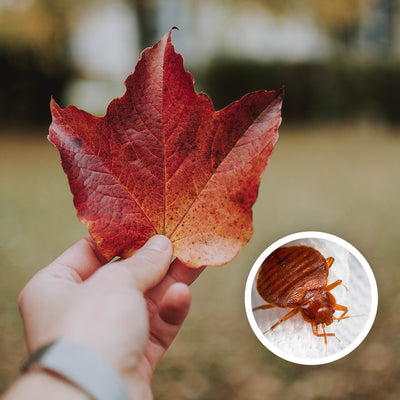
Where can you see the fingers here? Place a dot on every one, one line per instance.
(82, 258)
(165, 324)
(75, 265)
(150, 264)
(178, 272)
(175, 304)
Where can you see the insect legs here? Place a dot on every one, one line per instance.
(264, 307)
(324, 334)
(339, 307)
(334, 284)
(329, 261)
(290, 314)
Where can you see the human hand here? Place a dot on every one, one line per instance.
(127, 311)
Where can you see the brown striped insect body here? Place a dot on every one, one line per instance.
(296, 277)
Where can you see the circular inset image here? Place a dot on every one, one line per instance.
(311, 298)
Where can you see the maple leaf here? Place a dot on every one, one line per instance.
(162, 161)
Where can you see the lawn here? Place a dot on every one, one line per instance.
(340, 179)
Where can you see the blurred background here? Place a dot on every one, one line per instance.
(335, 168)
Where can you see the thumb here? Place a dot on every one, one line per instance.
(150, 264)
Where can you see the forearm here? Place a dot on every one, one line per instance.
(44, 385)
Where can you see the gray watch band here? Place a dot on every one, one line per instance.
(82, 367)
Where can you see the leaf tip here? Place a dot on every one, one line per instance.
(53, 105)
(170, 33)
(282, 91)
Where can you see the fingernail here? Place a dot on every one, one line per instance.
(158, 242)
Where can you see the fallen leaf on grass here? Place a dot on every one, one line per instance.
(163, 161)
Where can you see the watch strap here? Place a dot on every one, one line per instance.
(81, 366)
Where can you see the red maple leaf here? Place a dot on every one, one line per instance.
(163, 161)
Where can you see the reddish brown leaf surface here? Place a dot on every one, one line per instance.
(163, 161)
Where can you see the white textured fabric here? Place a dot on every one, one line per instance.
(295, 336)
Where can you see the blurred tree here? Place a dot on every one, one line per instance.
(331, 15)
(342, 20)
(42, 26)
(147, 21)
(33, 61)
(39, 27)
(378, 27)
(338, 18)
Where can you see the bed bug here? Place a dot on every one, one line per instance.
(296, 278)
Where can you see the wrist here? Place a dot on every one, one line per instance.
(80, 366)
(45, 385)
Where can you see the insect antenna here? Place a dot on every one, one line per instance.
(340, 307)
(349, 316)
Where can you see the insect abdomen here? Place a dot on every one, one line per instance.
(289, 272)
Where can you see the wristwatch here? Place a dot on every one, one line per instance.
(81, 366)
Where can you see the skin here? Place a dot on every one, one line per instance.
(128, 311)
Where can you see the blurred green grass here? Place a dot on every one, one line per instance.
(340, 179)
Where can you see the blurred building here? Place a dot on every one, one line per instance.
(104, 49)
(101, 40)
